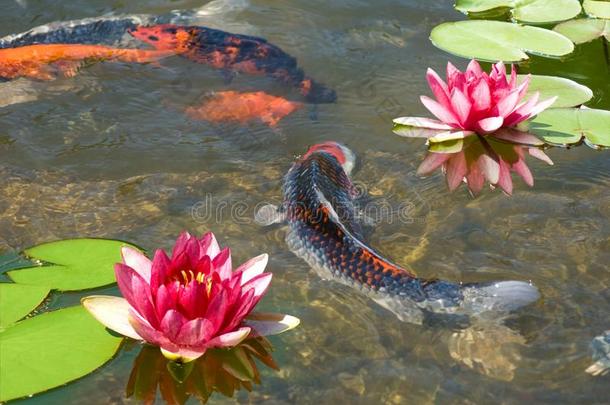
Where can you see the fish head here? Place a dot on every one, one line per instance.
(164, 36)
(343, 154)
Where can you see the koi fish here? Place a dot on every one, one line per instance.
(319, 209)
(244, 107)
(89, 31)
(43, 62)
(234, 53)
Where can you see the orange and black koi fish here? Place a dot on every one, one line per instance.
(43, 62)
(234, 52)
(232, 106)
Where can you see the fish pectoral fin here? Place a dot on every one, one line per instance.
(268, 215)
(45, 73)
(67, 68)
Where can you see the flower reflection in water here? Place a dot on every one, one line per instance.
(226, 371)
(478, 159)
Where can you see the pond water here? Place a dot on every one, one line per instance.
(109, 153)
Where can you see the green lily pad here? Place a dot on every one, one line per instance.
(12, 261)
(585, 29)
(568, 92)
(528, 11)
(568, 126)
(18, 300)
(496, 40)
(73, 264)
(599, 9)
(50, 350)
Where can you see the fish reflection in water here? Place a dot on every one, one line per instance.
(226, 371)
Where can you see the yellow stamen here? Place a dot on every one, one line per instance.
(200, 277)
(208, 286)
(184, 276)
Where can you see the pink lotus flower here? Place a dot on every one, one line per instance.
(476, 102)
(479, 159)
(191, 302)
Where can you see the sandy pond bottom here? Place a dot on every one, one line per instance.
(110, 154)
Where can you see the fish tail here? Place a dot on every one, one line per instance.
(502, 296)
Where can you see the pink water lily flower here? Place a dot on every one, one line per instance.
(189, 302)
(477, 102)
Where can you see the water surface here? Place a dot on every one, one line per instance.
(110, 154)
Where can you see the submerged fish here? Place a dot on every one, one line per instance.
(234, 53)
(319, 208)
(233, 106)
(600, 346)
(43, 62)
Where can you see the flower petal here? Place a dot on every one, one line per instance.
(160, 270)
(267, 324)
(441, 112)
(456, 170)
(450, 136)
(474, 69)
(230, 339)
(481, 96)
(520, 167)
(489, 166)
(421, 122)
(514, 136)
(181, 244)
(474, 179)
(431, 162)
(539, 154)
(137, 261)
(146, 331)
(195, 333)
(252, 267)
(543, 105)
(522, 112)
(216, 310)
(461, 106)
(259, 284)
(438, 87)
(455, 78)
(136, 290)
(209, 245)
(182, 354)
(172, 323)
(490, 124)
(505, 181)
(112, 312)
(222, 264)
(507, 104)
(193, 299)
(166, 299)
